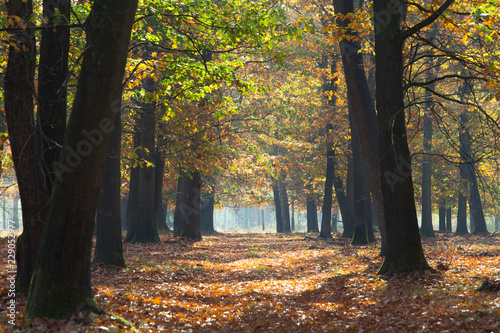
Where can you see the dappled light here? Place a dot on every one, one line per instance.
(265, 282)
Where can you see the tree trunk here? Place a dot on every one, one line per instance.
(61, 282)
(159, 200)
(363, 110)
(285, 207)
(109, 248)
(426, 228)
(292, 219)
(263, 222)
(462, 215)
(448, 219)
(52, 77)
(326, 229)
(404, 249)
(188, 206)
(277, 208)
(312, 214)
(146, 229)
(207, 210)
(442, 214)
(18, 98)
(467, 169)
(334, 221)
(361, 193)
(133, 195)
(348, 219)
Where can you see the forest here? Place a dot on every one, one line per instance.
(237, 165)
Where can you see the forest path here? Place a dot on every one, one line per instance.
(232, 282)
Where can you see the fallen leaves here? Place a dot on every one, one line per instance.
(264, 282)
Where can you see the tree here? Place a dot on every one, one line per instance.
(188, 206)
(109, 248)
(426, 228)
(61, 282)
(363, 108)
(19, 91)
(404, 249)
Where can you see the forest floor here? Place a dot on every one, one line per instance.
(283, 283)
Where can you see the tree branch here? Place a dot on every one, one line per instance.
(429, 20)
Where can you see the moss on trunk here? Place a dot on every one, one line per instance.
(360, 236)
(57, 299)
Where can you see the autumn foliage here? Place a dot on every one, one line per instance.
(293, 283)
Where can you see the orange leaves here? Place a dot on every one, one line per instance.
(266, 282)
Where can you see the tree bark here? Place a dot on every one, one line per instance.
(312, 214)
(277, 208)
(61, 282)
(133, 194)
(404, 249)
(326, 229)
(448, 219)
(52, 82)
(18, 98)
(207, 210)
(188, 206)
(426, 228)
(146, 229)
(478, 223)
(361, 193)
(348, 219)
(159, 200)
(442, 214)
(109, 248)
(363, 110)
(285, 207)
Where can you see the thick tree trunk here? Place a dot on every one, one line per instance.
(312, 214)
(404, 249)
(18, 98)
(52, 77)
(109, 248)
(61, 282)
(146, 229)
(188, 206)
(363, 110)
(207, 210)
(361, 193)
(277, 208)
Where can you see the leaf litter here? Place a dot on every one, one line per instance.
(284, 283)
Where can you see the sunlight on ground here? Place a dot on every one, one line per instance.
(240, 282)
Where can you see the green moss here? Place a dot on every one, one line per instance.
(48, 297)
